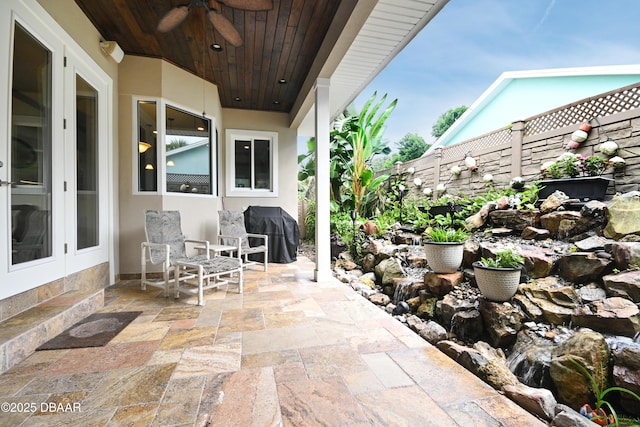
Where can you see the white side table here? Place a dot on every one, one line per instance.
(215, 250)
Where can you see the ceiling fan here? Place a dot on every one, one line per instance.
(213, 8)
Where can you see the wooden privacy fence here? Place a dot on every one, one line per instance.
(521, 148)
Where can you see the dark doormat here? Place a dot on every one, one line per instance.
(95, 330)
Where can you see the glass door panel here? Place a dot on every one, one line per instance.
(87, 214)
(31, 191)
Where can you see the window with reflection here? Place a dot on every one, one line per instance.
(187, 152)
(147, 146)
(251, 163)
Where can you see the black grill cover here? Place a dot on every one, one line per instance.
(281, 228)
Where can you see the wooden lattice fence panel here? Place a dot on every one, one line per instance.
(613, 102)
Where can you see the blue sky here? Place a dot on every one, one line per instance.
(470, 43)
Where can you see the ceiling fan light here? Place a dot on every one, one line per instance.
(173, 18)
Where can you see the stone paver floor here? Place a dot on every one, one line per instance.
(288, 351)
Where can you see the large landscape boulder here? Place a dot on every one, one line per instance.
(538, 262)
(538, 401)
(626, 373)
(589, 349)
(389, 269)
(555, 299)
(482, 360)
(449, 306)
(626, 254)
(553, 202)
(552, 221)
(514, 219)
(441, 284)
(592, 243)
(583, 267)
(467, 325)
(613, 315)
(502, 321)
(533, 233)
(622, 216)
(625, 284)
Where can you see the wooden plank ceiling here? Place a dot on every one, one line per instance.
(265, 73)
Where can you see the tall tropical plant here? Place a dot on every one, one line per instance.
(340, 155)
(364, 136)
(355, 140)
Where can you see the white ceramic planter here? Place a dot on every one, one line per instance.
(497, 284)
(444, 257)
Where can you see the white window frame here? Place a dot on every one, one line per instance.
(231, 136)
(161, 104)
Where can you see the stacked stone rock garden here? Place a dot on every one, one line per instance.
(578, 301)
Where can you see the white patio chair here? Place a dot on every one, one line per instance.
(232, 226)
(167, 246)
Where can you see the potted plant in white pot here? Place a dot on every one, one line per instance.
(498, 278)
(444, 248)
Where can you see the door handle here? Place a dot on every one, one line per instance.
(8, 183)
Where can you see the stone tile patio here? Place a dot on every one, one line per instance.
(288, 351)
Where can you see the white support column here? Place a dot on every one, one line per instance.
(323, 130)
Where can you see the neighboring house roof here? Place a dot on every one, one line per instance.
(518, 95)
(190, 159)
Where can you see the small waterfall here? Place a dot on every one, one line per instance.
(402, 292)
(530, 359)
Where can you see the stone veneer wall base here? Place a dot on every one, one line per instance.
(31, 318)
(22, 334)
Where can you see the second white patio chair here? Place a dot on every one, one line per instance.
(232, 226)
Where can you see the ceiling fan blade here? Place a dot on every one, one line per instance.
(225, 28)
(249, 4)
(173, 18)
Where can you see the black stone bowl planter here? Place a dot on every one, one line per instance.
(444, 257)
(583, 188)
(497, 284)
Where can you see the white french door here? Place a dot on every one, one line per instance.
(54, 153)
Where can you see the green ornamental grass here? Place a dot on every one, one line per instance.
(444, 234)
